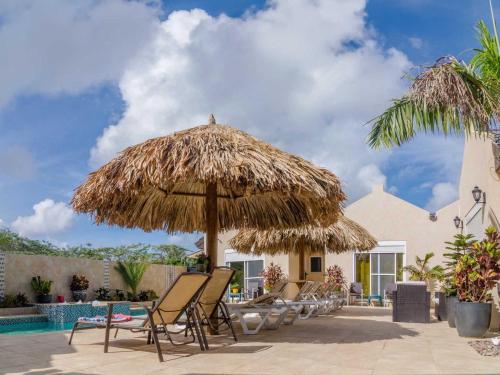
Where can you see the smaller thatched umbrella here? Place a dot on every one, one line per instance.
(344, 235)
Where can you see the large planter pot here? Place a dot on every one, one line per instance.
(472, 318)
(43, 298)
(440, 307)
(79, 295)
(451, 302)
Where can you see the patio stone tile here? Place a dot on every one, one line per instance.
(352, 341)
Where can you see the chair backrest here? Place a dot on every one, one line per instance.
(279, 287)
(185, 291)
(390, 288)
(356, 288)
(412, 293)
(214, 290)
(265, 299)
(304, 290)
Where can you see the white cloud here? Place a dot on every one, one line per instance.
(443, 193)
(370, 175)
(52, 47)
(1, 223)
(48, 217)
(303, 75)
(415, 42)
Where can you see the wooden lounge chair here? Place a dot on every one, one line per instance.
(264, 307)
(177, 302)
(211, 307)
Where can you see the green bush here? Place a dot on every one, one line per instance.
(40, 286)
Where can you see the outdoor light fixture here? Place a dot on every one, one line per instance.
(477, 193)
(459, 224)
(433, 216)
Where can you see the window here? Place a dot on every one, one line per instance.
(316, 264)
(248, 274)
(375, 270)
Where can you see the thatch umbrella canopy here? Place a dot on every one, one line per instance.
(344, 235)
(208, 178)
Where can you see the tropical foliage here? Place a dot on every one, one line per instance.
(41, 286)
(79, 282)
(422, 271)
(131, 273)
(335, 278)
(11, 242)
(478, 270)
(10, 300)
(455, 249)
(451, 97)
(272, 274)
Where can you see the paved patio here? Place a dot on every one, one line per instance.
(356, 340)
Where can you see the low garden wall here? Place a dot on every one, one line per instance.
(16, 271)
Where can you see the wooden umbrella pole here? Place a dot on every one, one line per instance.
(212, 222)
(212, 225)
(301, 264)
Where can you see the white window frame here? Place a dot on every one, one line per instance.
(232, 256)
(383, 247)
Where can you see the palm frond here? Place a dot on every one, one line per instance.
(131, 274)
(448, 97)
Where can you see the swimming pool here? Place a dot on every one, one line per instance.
(28, 328)
(40, 324)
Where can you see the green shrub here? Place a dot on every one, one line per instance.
(40, 286)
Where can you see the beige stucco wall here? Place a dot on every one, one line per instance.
(389, 218)
(478, 169)
(19, 269)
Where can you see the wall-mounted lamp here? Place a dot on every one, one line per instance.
(459, 224)
(477, 194)
(433, 216)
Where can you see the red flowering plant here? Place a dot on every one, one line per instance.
(478, 270)
(272, 274)
(335, 278)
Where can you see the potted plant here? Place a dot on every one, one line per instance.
(202, 263)
(79, 285)
(335, 278)
(477, 273)
(103, 294)
(272, 274)
(235, 288)
(42, 289)
(456, 249)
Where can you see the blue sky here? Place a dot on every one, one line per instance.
(67, 83)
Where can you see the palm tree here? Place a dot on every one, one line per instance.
(131, 273)
(422, 272)
(450, 97)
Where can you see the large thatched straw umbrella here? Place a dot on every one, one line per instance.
(208, 178)
(344, 235)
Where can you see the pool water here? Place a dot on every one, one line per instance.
(27, 328)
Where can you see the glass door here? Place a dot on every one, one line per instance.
(375, 270)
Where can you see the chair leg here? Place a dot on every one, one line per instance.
(116, 333)
(106, 339)
(199, 330)
(72, 332)
(200, 327)
(227, 318)
(157, 342)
